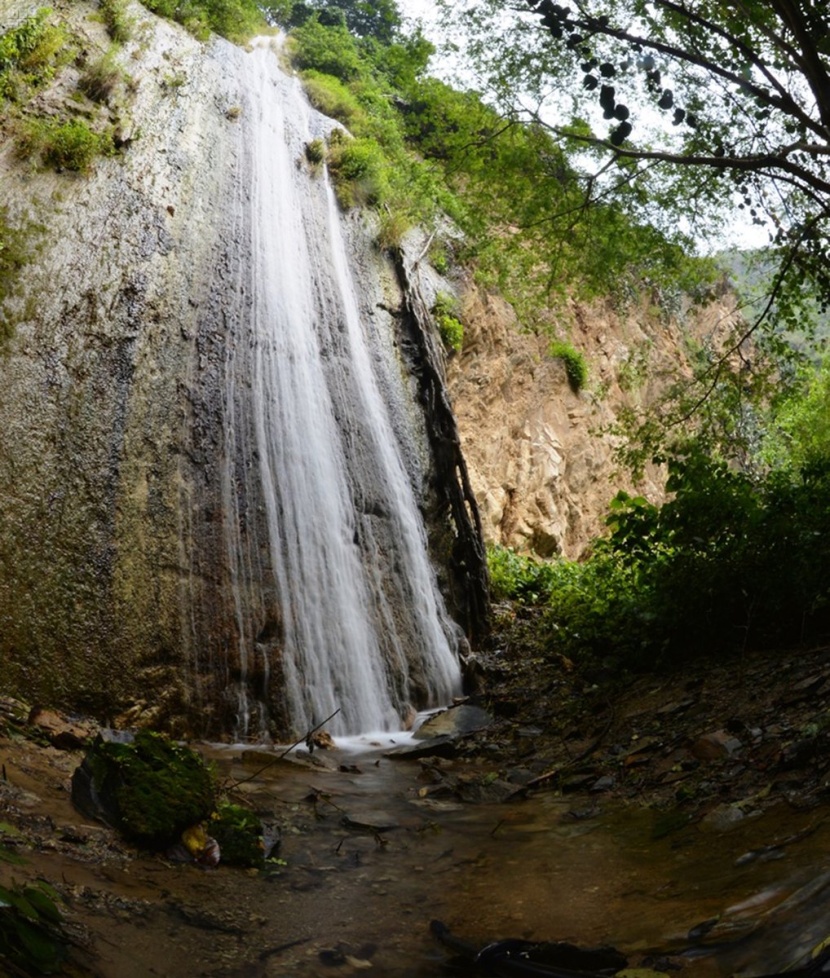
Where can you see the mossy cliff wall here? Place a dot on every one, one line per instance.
(123, 424)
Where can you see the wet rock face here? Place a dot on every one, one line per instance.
(127, 446)
(112, 407)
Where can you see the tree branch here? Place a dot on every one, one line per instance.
(803, 178)
(783, 102)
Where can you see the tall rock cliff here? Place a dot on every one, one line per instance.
(140, 546)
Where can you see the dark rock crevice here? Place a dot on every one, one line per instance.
(461, 539)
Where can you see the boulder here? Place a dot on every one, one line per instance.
(454, 722)
(150, 789)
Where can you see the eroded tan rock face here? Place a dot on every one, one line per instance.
(541, 457)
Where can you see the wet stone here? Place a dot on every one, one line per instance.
(63, 732)
(519, 775)
(444, 746)
(723, 818)
(376, 822)
(454, 722)
(715, 745)
(577, 782)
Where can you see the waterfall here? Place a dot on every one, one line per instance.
(363, 628)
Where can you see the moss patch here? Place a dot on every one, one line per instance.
(151, 789)
(238, 831)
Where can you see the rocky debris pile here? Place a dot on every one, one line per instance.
(742, 734)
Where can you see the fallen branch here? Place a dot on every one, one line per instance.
(287, 750)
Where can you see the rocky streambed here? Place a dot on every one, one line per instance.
(683, 820)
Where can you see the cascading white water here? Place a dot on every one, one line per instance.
(363, 624)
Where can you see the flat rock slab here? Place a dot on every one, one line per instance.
(374, 822)
(454, 722)
(273, 765)
(433, 747)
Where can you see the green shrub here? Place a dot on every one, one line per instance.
(439, 258)
(395, 221)
(64, 145)
(238, 831)
(516, 577)
(330, 50)
(576, 369)
(237, 20)
(450, 327)
(315, 152)
(118, 23)
(729, 562)
(30, 54)
(358, 167)
(331, 97)
(101, 77)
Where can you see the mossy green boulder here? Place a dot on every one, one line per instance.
(151, 789)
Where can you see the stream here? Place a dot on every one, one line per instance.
(373, 848)
(373, 851)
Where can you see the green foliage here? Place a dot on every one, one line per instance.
(394, 222)
(118, 22)
(101, 77)
(278, 11)
(29, 56)
(728, 562)
(237, 20)
(238, 831)
(32, 939)
(524, 214)
(450, 327)
(733, 87)
(507, 185)
(515, 577)
(327, 50)
(315, 152)
(333, 98)
(358, 167)
(800, 431)
(439, 257)
(64, 145)
(155, 787)
(576, 368)
(378, 19)
(15, 251)
(633, 372)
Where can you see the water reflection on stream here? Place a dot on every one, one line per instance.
(548, 868)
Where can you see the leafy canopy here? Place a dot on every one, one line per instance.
(503, 181)
(689, 109)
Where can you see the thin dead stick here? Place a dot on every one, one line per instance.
(271, 951)
(287, 750)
